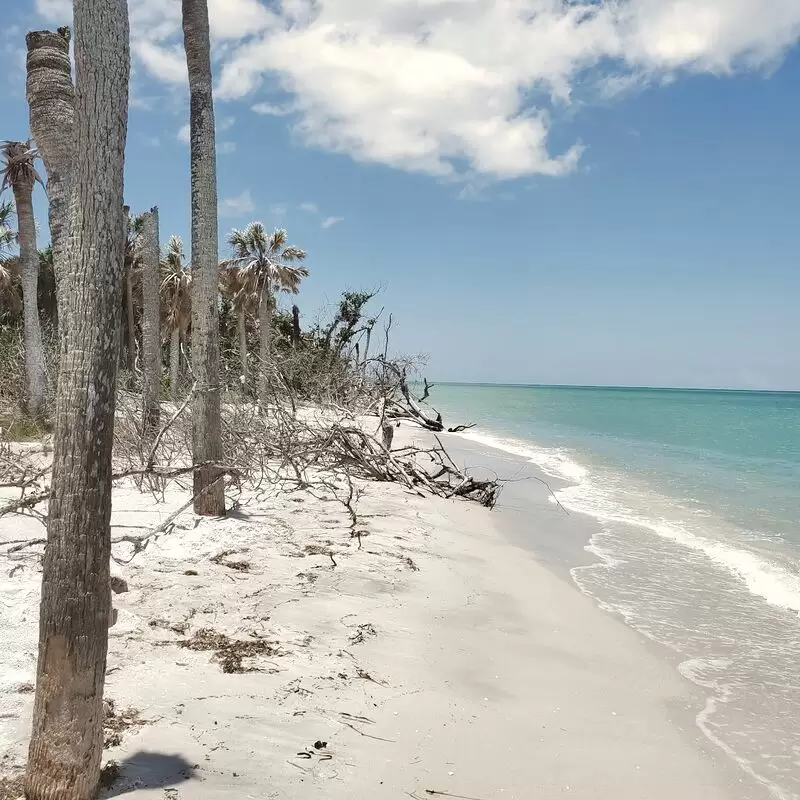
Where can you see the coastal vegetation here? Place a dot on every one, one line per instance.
(130, 359)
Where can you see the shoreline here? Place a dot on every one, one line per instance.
(567, 546)
(440, 656)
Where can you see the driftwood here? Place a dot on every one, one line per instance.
(349, 449)
(277, 446)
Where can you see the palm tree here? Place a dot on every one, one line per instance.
(263, 264)
(243, 306)
(209, 488)
(67, 739)
(20, 174)
(151, 339)
(133, 284)
(51, 100)
(176, 304)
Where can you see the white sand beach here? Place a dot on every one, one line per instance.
(433, 658)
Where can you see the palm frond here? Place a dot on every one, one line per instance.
(10, 290)
(175, 290)
(277, 241)
(289, 279)
(8, 236)
(6, 213)
(19, 164)
(292, 253)
(260, 259)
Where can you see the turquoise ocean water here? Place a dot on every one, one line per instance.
(697, 496)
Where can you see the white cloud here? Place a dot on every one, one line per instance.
(235, 19)
(55, 10)
(311, 208)
(278, 210)
(271, 110)
(168, 64)
(329, 222)
(184, 134)
(467, 88)
(225, 123)
(455, 86)
(236, 205)
(226, 148)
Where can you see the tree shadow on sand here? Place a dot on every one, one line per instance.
(146, 770)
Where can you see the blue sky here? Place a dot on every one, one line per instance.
(544, 192)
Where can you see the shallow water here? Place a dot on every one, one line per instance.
(697, 495)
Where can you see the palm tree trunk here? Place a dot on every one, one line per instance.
(131, 316)
(209, 488)
(242, 323)
(151, 340)
(29, 271)
(265, 331)
(174, 361)
(366, 347)
(67, 740)
(296, 326)
(51, 100)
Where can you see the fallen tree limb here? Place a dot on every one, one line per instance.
(140, 542)
(26, 501)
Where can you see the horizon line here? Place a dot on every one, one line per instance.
(615, 386)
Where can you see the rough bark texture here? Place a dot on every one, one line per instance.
(51, 100)
(67, 741)
(209, 488)
(366, 345)
(129, 345)
(35, 369)
(151, 340)
(130, 327)
(265, 332)
(295, 326)
(174, 361)
(242, 322)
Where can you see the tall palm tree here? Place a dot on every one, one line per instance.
(176, 304)
(209, 488)
(20, 174)
(264, 264)
(51, 102)
(244, 306)
(133, 284)
(67, 739)
(151, 333)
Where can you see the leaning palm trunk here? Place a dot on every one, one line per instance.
(151, 329)
(265, 325)
(209, 489)
(67, 741)
(51, 100)
(29, 270)
(174, 361)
